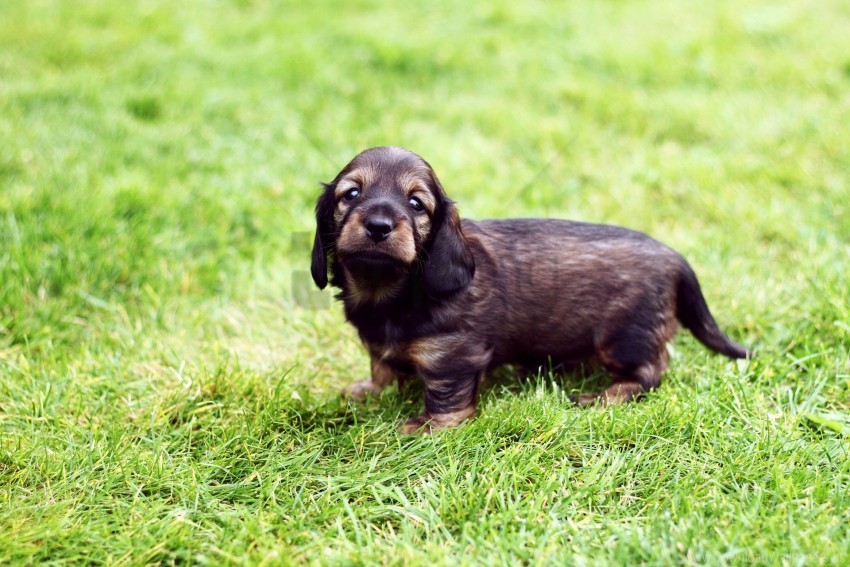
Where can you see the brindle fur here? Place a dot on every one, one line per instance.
(447, 300)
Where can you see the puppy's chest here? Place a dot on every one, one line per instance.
(396, 356)
(386, 327)
(392, 340)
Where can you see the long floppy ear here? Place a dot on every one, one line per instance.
(325, 238)
(449, 265)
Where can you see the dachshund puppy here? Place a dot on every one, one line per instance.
(447, 300)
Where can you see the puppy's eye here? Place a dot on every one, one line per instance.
(351, 194)
(416, 204)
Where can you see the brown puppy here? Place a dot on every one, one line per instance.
(447, 300)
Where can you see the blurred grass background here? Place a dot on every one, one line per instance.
(159, 163)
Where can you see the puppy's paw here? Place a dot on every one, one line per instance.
(359, 390)
(615, 395)
(419, 425)
(590, 400)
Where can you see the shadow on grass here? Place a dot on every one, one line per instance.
(327, 413)
(579, 379)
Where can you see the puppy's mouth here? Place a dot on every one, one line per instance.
(373, 268)
(375, 258)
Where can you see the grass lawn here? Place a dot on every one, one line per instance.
(168, 394)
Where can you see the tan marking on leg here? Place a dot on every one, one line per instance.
(425, 424)
(428, 352)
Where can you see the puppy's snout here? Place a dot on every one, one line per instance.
(378, 227)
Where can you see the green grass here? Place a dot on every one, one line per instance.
(166, 398)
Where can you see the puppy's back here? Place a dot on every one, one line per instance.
(547, 250)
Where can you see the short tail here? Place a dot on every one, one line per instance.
(693, 313)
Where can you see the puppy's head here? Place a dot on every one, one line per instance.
(385, 219)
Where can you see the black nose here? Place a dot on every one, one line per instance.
(378, 227)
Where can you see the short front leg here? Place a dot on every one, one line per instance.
(382, 376)
(448, 403)
(451, 367)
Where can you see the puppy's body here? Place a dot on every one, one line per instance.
(479, 294)
(566, 286)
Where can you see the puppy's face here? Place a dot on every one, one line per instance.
(381, 218)
(383, 209)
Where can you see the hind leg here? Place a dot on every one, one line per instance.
(635, 359)
(627, 385)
